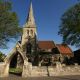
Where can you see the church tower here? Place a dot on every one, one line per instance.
(29, 30)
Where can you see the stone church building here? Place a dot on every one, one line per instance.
(44, 51)
(29, 51)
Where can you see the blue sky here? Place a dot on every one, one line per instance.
(47, 15)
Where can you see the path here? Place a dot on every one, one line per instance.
(14, 77)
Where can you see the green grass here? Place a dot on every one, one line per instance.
(15, 70)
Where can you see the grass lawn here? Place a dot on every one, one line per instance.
(16, 71)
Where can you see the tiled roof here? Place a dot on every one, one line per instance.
(64, 49)
(46, 44)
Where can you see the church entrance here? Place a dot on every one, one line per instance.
(16, 65)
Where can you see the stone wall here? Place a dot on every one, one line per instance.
(58, 70)
(35, 71)
(4, 69)
(39, 71)
(62, 69)
(66, 70)
(27, 68)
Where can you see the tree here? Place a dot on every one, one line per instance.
(70, 26)
(8, 23)
(2, 57)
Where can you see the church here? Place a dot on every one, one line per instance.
(46, 51)
(39, 53)
(30, 54)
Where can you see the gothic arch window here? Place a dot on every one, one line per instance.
(31, 32)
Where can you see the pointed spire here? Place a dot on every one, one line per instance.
(30, 18)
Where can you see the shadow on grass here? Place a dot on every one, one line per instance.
(17, 74)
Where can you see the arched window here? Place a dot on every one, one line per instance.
(31, 32)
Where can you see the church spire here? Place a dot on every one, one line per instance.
(30, 17)
(29, 29)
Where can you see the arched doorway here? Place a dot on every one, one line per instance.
(16, 64)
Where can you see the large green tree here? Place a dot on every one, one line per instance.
(70, 25)
(8, 23)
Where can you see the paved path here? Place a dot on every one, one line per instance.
(13, 77)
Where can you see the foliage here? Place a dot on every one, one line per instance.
(70, 26)
(2, 57)
(8, 23)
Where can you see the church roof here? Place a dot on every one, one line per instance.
(46, 44)
(64, 49)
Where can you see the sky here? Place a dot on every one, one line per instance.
(47, 15)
